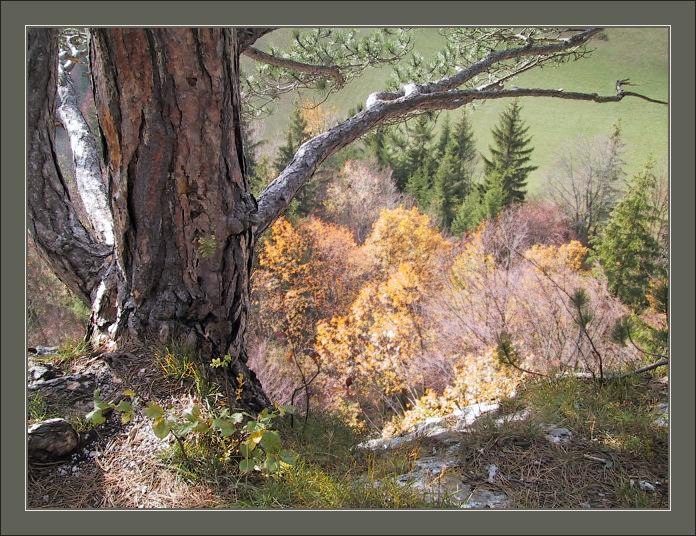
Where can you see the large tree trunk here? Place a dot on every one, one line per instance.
(169, 115)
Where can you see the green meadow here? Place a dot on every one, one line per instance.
(641, 54)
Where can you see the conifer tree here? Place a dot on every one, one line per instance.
(454, 178)
(626, 249)
(444, 138)
(509, 162)
(295, 136)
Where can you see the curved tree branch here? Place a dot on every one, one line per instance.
(330, 71)
(381, 107)
(546, 49)
(76, 258)
(248, 36)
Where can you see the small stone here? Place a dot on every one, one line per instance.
(492, 473)
(558, 435)
(51, 439)
(644, 485)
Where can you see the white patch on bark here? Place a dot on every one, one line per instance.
(88, 176)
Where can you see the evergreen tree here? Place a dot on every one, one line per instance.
(415, 155)
(469, 213)
(454, 177)
(444, 138)
(256, 169)
(626, 249)
(510, 157)
(295, 136)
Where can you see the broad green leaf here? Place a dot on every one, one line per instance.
(270, 441)
(124, 407)
(246, 465)
(226, 426)
(184, 429)
(271, 464)
(96, 417)
(288, 457)
(201, 427)
(161, 427)
(253, 426)
(153, 411)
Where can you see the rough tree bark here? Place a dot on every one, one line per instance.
(169, 113)
(76, 257)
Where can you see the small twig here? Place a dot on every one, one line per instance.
(661, 363)
(181, 446)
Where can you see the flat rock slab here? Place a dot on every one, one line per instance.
(42, 371)
(51, 439)
(444, 429)
(447, 485)
(73, 394)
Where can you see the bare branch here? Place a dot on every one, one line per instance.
(331, 71)
(382, 107)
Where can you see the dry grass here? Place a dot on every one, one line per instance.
(595, 468)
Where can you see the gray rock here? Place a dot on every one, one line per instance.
(558, 435)
(51, 439)
(513, 417)
(662, 411)
(492, 473)
(445, 429)
(485, 498)
(42, 371)
(43, 350)
(73, 393)
(644, 485)
(470, 414)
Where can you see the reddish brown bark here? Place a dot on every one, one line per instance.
(169, 112)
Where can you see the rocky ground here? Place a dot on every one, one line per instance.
(490, 455)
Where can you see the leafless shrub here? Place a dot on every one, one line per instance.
(358, 194)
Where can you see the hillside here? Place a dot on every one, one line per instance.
(640, 54)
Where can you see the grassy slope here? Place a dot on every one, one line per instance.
(640, 54)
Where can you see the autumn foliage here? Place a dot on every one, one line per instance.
(410, 323)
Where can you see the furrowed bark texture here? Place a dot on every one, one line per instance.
(169, 114)
(76, 257)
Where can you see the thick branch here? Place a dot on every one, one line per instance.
(88, 177)
(77, 259)
(331, 71)
(381, 107)
(248, 36)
